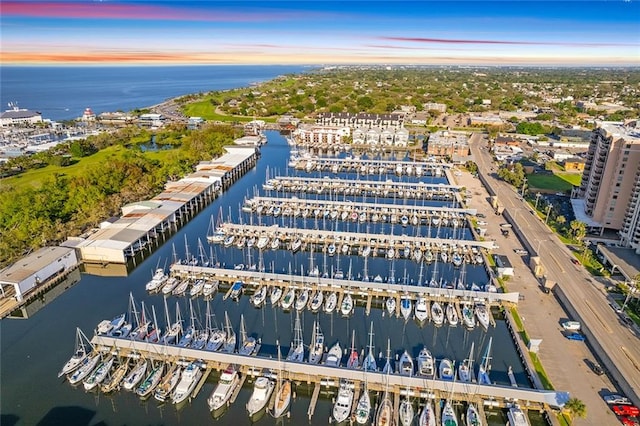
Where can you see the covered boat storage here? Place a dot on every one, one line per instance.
(144, 221)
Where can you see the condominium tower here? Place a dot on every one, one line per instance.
(610, 187)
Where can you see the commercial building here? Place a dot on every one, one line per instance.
(312, 134)
(447, 143)
(608, 197)
(19, 117)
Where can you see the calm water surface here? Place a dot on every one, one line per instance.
(33, 351)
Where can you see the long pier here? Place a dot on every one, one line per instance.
(370, 167)
(345, 210)
(417, 190)
(493, 395)
(358, 289)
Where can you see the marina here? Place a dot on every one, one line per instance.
(365, 166)
(213, 299)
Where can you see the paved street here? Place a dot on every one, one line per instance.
(563, 359)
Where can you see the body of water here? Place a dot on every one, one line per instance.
(32, 351)
(63, 93)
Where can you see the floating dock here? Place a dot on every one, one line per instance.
(369, 167)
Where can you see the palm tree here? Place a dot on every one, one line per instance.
(561, 220)
(576, 408)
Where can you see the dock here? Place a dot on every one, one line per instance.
(371, 167)
(255, 279)
(304, 372)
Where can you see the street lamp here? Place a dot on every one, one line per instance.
(548, 211)
(631, 291)
(537, 198)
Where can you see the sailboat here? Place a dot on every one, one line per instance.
(283, 394)
(98, 375)
(347, 305)
(136, 375)
(428, 416)
(369, 363)
(248, 344)
(85, 368)
(467, 316)
(448, 415)
(168, 383)
(301, 301)
(465, 369)
(384, 416)
(215, 235)
(437, 314)
(151, 381)
(483, 315)
(316, 301)
(276, 294)
(388, 367)
(296, 352)
(425, 363)
(391, 305)
(363, 409)
(189, 334)
(473, 416)
(354, 360)
(112, 382)
(342, 406)
(406, 364)
(79, 354)
(334, 356)
(447, 371)
(330, 302)
(230, 341)
(452, 314)
(316, 348)
(259, 297)
(406, 412)
(288, 299)
(484, 367)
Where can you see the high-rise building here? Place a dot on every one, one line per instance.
(610, 187)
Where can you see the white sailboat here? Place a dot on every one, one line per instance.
(406, 412)
(369, 363)
(247, 344)
(468, 316)
(473, 416)
(288, 299)
(465, 369)
(448, 415)
(384, 415)
(363, 409)
(276, 294)
(99, 374)
(85, 368)
(230, 341)
(483, 315)
(391, 305)
(388, 367)
(136, 375)
(346, 308)
(334, 356)
(330, 302)
(316, 301)
(151, 381)
(79, 354)
(296, 351)
(484, 367)
(428, 416)
(354, 360)
(437, 314)
(301, 301)
(316, 348)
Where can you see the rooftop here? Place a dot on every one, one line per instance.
(32, 263)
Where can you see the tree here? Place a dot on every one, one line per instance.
(578, 229)
(576, 408)
(364, 103)
(561, 220)
(471, 166)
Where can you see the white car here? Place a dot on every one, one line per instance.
(615, 399)
(482, 223)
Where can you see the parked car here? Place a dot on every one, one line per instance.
(521, 251)
(480, 215)
(482, 223)
(625, 410)
(597, 368)
(616, 399)
(575, 261)
(576, 336)
(629, 421)
(571, 325)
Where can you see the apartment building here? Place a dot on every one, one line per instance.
(610, 187)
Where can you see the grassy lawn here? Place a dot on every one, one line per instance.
(552, 182)
(207, 110)
(36, 176)
(573, 178)
(546, 383)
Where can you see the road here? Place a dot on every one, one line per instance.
(615, 344)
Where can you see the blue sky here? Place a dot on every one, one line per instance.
(301, 32)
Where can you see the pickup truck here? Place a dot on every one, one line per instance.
(625, 410)
(576, 336)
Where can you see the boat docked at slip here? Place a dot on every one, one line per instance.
(353, 362)
(158, 279)
(301, 301)
(384, 415)
(369, 363)
(437, 314)
(406, 364)
(422, 309)
(316, 301)
(517, 417)
(168, 383)
(405, 307)
(296, 351)
(236, 290)
(342, 406)
(391, 305)
(428, 416)
(197, 288)
(99, 374)
(452, 314)
(228, 383)
(468, 317)
(113, 381)
(229, 345)
(346, 308)
(426, 365)
(473, 416)
(406, 412)
(188, 380)
(106, 327)
(209, 288)
(170, 285)
(282, 398)
(448, 415)
(465, 369)
(136, 375)
(483, 315)
(248, 345)
(85, 368)
(151, 381)
(288, 299)
(316, 348)
(79, 354)
(446, 369)
(262, 391)
(276, 294)
(363, 408)
(259, 297)
(330, 302)
(334, 356)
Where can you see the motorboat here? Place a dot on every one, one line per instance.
(262, 390)
(428, 416)
(105, 327)
(228, 383)
(169, 285)
(136, 375)
(342, 406)
(334, 356)
(448, 415)
(406, 364)
(150, 382)
(282, 398)
(405, 307)
(517, 417)
(330, 302)
(98, 375)
(425, 363)
(85, 368)
(483, 315)
(295, 245)
(316, 301)
(276, 294)
(197, 288)
(384, 416)
(391, 305)
(316, 349)
(168, 383)
(406, 412)
(452, 314)
(301, 301)
(157, 280)
(464, 371)
(346, 308)
(468, 316)
(473, 416)
(188, 380)
(437, 314)
(422, 309)
(446, 370)
(236, 290)
(363, 409)
(288, 299)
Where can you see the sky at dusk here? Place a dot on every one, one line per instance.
(320, 32)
